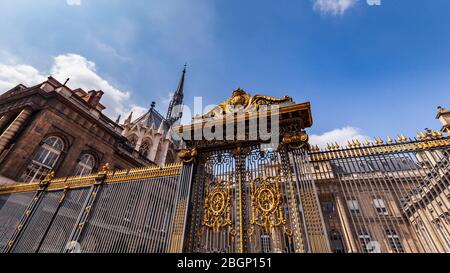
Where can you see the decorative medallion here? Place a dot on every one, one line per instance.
(217, 206)
(266, 203)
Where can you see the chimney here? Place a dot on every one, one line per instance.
(93, 98)
(443, 115)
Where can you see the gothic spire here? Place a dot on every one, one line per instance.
(177, 100)
(128, 120)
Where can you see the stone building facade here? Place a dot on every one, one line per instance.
(52, 127)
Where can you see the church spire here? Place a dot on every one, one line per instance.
(177, 100)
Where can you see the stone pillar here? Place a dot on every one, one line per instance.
(4, 120)
(12, 129)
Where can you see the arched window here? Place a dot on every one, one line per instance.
(85, 165)
(44, 160)
(144, 148)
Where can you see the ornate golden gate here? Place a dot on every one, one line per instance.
(250, 195)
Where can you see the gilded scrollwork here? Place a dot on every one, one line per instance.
(242, 101)
(266, 203)
(217, 205)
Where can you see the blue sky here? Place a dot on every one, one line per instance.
(367, 70)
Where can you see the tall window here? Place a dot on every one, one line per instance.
(394, 241)
(85, 165)
(44, 160)
(336, 242)
(380, 206)
(353, 206)
(364, 239)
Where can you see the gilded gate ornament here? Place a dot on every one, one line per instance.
(296, 140)
(217, 205)
(188, 155)
(266, 204)
(242, 101)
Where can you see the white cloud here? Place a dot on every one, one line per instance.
(73, 2)
(82, 74)
(12, 75)
(340, 135)
(334, 7)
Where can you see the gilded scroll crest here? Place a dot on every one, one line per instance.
(217, 206)
(266, 203)
(241, 101)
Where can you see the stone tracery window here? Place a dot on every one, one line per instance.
(85, 165)
(44, 160)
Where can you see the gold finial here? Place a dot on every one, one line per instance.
(50, 176)
(105, 168)
(350, 145)
(329, 146)
(439, 134)
(389, 139)
(380, 141)
(433, 134)
(337, 145)
(403, 137)
(447, 130)
(423, 135)
(366, 142)
(418, 136)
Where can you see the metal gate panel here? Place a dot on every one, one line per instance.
(249, 199)
(316, 237)
(272, 208)
(12, 209)
(57, 235)
(214, 204)
(389, 197)
(32, 234)
(131, 217)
